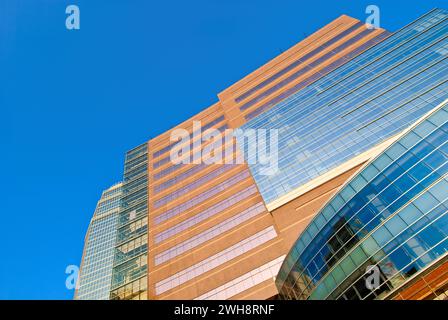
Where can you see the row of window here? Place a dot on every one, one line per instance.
(193, 185)
(177, 179)
(189, 147)
(240, 176)
(192, 156)
(299, 61)
(209, 234)
(129, 271)
(136, 290)
(244, 282)
(230, 150)
(307, 67)
(112, 191)
(131, 249)
(315, 76)
(133, 229)
(205, 214)
(216, 260)
(205, 127)
(192, 145)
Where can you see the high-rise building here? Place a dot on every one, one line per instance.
(337, 100)
(95, 274)
(129, 277)
(330, 129)
(390, 218)
(210, 234)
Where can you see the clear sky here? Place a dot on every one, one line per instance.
(73, 102)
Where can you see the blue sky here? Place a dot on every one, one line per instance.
(73, 102)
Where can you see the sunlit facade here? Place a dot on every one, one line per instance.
(210, 233)
(95, 274)
(338, 98)
(392, 215)
(129, 277)
(356, 107)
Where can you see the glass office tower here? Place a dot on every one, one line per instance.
(129, 277)
(96, 267)
(356, 107)
(393, 215)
